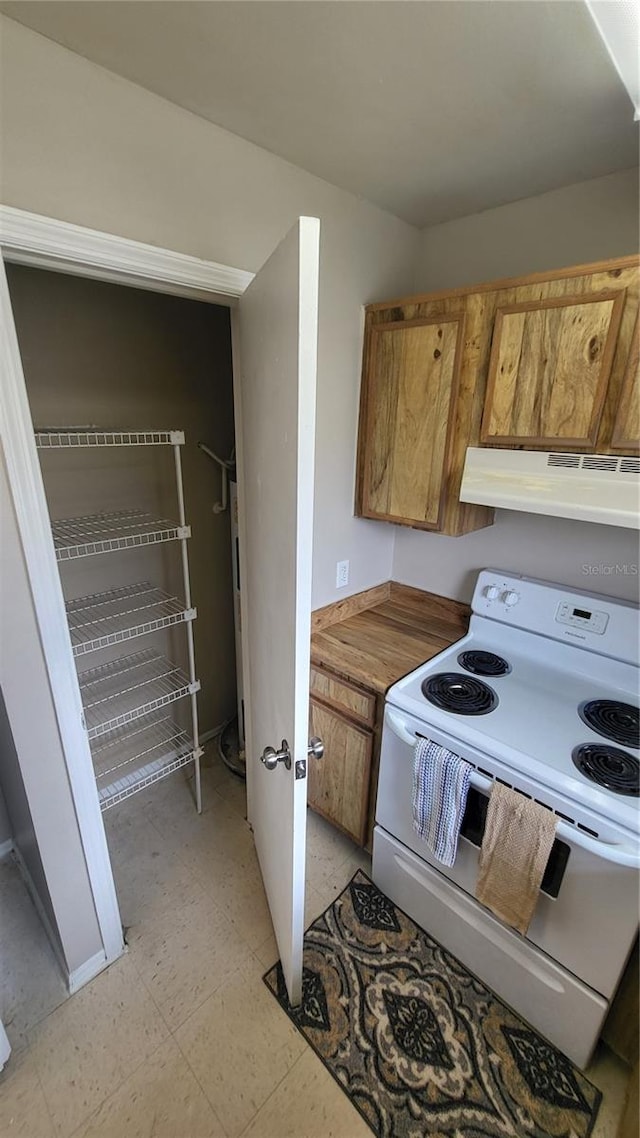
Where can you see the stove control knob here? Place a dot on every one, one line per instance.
(510, 599)
(491, 592)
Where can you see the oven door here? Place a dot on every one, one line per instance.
(587, 913)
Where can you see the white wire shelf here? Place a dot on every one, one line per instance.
(54, 438)
(129, 688)
(136, 756)
(104, 533)
(117, 615)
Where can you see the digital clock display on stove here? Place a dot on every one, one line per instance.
(584, 619)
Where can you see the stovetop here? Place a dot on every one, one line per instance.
(538, 704)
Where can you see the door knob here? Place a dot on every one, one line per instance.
(270, 757)
(316, 748)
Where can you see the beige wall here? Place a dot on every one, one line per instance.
(585, 222)
(122, 357)
(594, 558)
(581, 223)
(46, 829)
(86, 146)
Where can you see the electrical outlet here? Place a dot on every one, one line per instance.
(342, 574)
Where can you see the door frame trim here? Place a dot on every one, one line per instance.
(47, 243)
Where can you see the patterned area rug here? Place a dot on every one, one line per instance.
(419, 1045)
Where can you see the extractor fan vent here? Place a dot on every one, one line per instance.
(564, 460)
(604, 462)
(599, 462)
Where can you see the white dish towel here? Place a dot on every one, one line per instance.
(440, 786)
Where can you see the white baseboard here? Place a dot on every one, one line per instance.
(87, 971)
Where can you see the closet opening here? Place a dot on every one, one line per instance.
(123, 385)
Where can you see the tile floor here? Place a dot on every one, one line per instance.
(180, 1038)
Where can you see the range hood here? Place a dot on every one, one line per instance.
(601, 488)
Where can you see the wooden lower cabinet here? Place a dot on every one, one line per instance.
(340, 784)
(353, 701)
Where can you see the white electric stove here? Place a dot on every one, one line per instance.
(542, 693)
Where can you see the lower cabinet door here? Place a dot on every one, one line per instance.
(339, 783)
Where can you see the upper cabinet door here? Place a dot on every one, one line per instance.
(549, 370)
(626, 430)
(410, 382)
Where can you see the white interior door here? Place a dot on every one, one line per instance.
(278, 327)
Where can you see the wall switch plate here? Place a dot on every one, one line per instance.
(342, 574)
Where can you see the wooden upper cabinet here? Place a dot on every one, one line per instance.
(626, 429)
(412, 384)
(549, 370)
(548, 362)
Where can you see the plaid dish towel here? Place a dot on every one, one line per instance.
(440, 786)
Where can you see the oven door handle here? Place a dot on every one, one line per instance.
(481, 782)
(620, 853)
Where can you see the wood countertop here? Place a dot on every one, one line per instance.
(376, 637)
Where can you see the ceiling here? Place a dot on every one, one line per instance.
(432, 110)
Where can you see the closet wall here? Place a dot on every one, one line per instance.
(103, 354)
(6, 829)
(16, 821)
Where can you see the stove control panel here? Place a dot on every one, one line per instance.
(606, 625)
(590, 619)
(506, 597)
